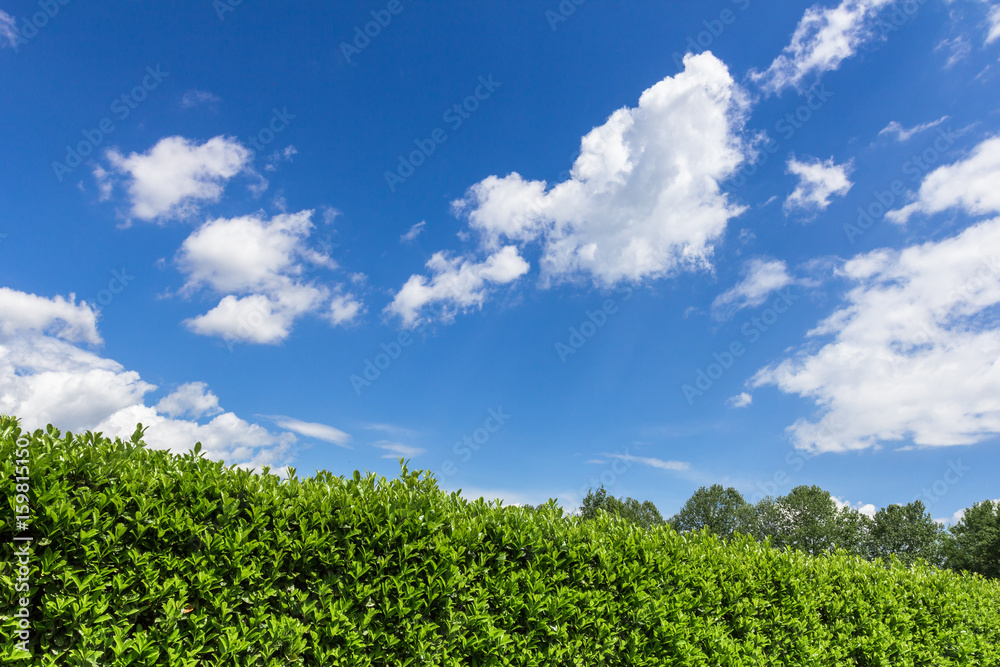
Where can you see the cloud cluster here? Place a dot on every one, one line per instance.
(45, 378)
(642, 200)
(457, 284)
(915, 351)
(259, 265)
(818, 181)
(823, 39)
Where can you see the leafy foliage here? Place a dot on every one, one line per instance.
(642, 514)
(142, 557)
(907, 532)
(721, 511)
(975, 541)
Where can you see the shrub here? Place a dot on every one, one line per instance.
(142, 557)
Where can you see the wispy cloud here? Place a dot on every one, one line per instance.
(415, 230)
(902, 133)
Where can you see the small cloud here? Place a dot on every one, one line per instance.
(902, 134)
(650, 461)
(344, 308)
(595, 462)
(197, 98)
(994, 19)
(313, 430)
(389, 428)
(818, 181)
(104, 183)
(9, 36)
(277, 157)
(740, 400)
(867, 509)
(398, 449)
(330, 214)
(192, 400)
(763, 277)
(414, 232)
(174, 177)
(959, 47)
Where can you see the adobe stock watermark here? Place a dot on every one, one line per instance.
(916, 166)
(374, 367)
(795, 460)
(362, 38)
(940, 487)
(464, 448)
(793, 121)
(121, 107)
(751, 330)
(902, 12)
(713, 30)
(120, 279)
(280, 118)
(453, 117)
(609, 476)
(595, 320)
(21, 559)
(29, 27)
(562, 12)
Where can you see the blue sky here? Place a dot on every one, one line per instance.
(532, 247)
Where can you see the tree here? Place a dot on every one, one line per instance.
(644, 514)
(974, 544)
(722, 510)
(908, 532)
(808, 519)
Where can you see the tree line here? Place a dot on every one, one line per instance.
(808, 519)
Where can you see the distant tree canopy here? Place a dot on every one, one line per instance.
(974, 542)
(809, 519)
(723, 511)
(908, 532)
(645, 514)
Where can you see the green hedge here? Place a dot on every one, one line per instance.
(141, 557)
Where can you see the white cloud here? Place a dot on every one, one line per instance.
(277, 157)
(176, 175)
(344, 308)
(398, 449)
(994, 21)
(22, 313)
(915, 350)
(970, 183)
(902, 134)
(740, 400)
(650, 461)
(9, 35)
(414, 232)
(192, 400)
(259, 264)
(959, 48)
(105, 184)
(457, 284)
(763, 277)
(314, 430)
(643, 198)
(248, 252)
(868, 509)
(823, 39)
(818, 181)
(45, 379)
(509, 498)
(194, 98)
